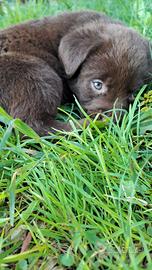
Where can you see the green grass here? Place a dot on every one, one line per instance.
(85, 196)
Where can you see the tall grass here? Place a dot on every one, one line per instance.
(84, 197)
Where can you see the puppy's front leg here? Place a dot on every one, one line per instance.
(30, 90)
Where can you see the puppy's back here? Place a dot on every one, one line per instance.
(45, 34)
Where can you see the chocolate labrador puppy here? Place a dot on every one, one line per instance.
(44, 62)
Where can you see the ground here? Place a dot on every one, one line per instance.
(80, 200)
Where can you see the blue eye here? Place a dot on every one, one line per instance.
(96, 84)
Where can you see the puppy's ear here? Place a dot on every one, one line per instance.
(76, 46)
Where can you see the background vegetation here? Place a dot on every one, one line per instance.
(80, 200)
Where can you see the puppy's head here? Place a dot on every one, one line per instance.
(105, 64)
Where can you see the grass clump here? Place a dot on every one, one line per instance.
(81, 200)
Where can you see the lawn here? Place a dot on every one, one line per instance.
(79, 200)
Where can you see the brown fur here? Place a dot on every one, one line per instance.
(44, 62)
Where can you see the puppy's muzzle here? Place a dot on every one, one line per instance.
(102, 107)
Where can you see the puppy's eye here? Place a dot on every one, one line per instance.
(96, 85)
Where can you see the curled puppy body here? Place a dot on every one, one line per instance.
(44, 62)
